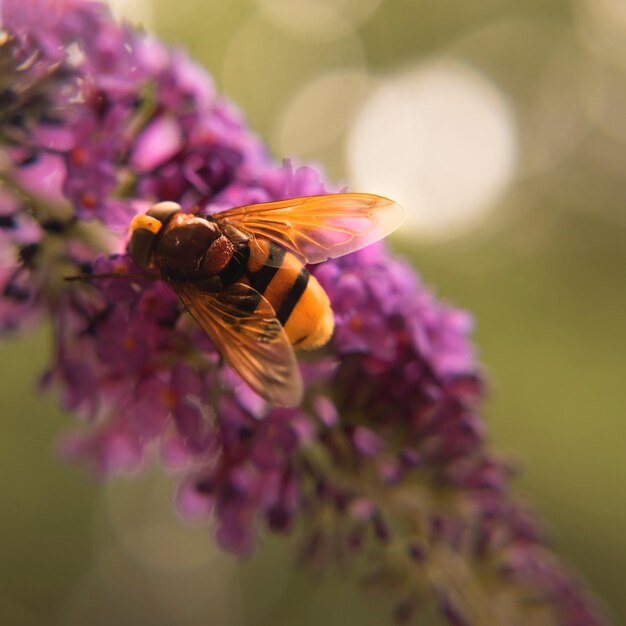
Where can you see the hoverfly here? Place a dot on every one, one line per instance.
(241, 274)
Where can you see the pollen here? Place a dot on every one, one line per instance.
(79, 156)
(169, 397)
(356, 322)
(88, 200)
(129, 343)
(152, 304)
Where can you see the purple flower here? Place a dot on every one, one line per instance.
(253, 476)
(387, 451)
(20, 287)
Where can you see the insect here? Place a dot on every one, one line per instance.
(241, 274)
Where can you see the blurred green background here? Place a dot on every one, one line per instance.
(500, 125)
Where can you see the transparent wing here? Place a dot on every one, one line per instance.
(318, 228)
(243, 326)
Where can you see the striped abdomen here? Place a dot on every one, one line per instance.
(301, 304)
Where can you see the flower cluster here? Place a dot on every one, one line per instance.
(387, 452)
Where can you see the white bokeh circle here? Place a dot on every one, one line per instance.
(320, 113)
(601, 25)
(439, 138)
(135, 11)
(318, 19)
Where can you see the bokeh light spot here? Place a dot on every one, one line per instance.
(602, 27)
(119, 590)
(141, 513)
(263, 67)
(135, 11)
(320, 112)
(318, 19)
(441, 139)
(604, 98)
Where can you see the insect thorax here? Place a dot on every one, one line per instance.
(182, 247)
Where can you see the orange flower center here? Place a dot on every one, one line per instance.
(169, 397)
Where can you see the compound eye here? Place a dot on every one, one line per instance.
(140, 247)
(163, 211)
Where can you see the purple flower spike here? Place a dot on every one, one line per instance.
(387, 451)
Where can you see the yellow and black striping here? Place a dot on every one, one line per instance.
(236, 264)
(300, 303)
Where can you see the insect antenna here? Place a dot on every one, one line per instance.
(106, 275)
